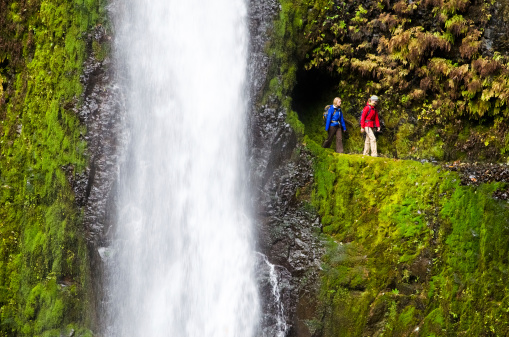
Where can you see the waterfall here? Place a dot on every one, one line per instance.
(275, 317)
(182, 254)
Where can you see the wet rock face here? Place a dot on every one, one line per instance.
(495, 36)
(273, 282)
(272, 141)
(287, 230)
(261, 15)
(101, 112)
(288, 235)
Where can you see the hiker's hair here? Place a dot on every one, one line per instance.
(336, 100)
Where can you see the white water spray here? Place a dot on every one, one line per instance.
(182, 257)
(280, 328)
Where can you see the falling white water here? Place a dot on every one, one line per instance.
(281, 327)
(182, 255)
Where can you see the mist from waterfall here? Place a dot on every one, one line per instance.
(182, 257)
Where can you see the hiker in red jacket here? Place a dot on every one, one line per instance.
(369, 120)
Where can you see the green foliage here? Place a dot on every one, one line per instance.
(359, 16)
(456, 25)
(410, 250)
(101, 51)
(388, 216)
(43, 260)
(408, 54)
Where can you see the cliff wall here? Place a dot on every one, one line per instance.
(412, 249)
(363, 246)
(47, 53)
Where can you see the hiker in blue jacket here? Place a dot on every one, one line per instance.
(333, 126)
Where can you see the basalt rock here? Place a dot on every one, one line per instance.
(474, 174)
(288, 235)
(102, 113)
(261, 16)
(288, 231)
(495, 36)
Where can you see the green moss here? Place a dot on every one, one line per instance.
(423, 59)
(43, 271)
(410, 250)
(382, 213)
(407, 318)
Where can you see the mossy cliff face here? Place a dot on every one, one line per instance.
(411, 251)
(279, 172)
(44, 263)
(440, 68)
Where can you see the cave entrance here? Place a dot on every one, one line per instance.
(314, 90)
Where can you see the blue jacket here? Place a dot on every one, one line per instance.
(334, 116)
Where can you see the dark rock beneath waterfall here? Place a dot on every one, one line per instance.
(261, 16)
(288, 230)
(102, 113)
(289, 235)
(273, 139)
(275, 286)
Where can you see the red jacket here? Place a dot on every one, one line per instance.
(369, 117)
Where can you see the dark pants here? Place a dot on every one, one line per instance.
(334, 130)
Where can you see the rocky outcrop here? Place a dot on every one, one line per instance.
(495, 36)
(102, 112)
(288, 235)
(261, 16)
(288, 231)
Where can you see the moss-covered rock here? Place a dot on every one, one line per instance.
(411, 251)
(437, 65)
(43, 256)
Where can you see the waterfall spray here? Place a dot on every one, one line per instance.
(182, 254)
(279, 328)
